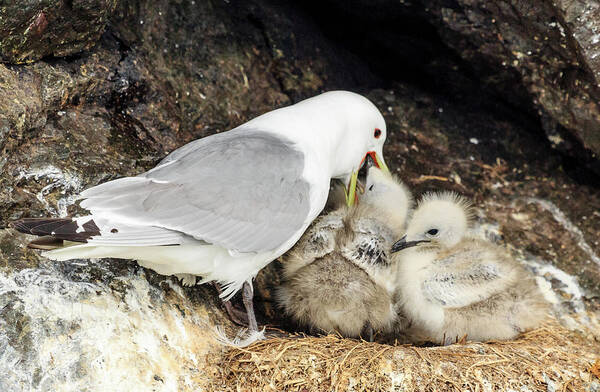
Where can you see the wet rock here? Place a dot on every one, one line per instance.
(30, 93)
(33, 30)
(221, 63)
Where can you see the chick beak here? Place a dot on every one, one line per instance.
(371, 158)
(403, 244)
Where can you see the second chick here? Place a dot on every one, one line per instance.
(451, 285)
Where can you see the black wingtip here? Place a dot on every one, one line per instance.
(29, 225)
(57, 228)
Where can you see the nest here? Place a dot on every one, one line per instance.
(548, 358)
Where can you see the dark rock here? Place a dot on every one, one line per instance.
(547, 48)
(539, 59)
(32, 30)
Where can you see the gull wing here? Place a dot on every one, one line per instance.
(242, 190)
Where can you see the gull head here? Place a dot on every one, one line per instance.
(356, 134)
(440, 220)
(337, 131)
(389, 194)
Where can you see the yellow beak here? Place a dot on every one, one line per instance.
(351, 196)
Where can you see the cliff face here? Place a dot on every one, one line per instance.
(494, 101)
(540, 58)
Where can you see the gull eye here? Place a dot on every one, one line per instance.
(432, 232)
(377, 133)
(371, 187)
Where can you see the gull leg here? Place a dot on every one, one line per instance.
(238, 317)
(247, 294)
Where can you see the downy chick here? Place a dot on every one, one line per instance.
(451, 285)
(339, 276)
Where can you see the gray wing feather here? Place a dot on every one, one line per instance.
(242, 189)
(465, 278)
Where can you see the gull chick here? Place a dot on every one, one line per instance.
(451, 285)
(339, 276)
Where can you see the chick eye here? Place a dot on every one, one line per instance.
(377, 133)
(432, 231)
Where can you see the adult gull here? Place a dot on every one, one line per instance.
(224, 206)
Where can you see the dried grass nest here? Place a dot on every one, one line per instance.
(548, 358)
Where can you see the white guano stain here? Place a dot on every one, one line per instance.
(559, 288)
(86, 336)
(69, 183)
(569, 226)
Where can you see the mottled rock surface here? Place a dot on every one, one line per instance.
(165, 73)
(31, 30)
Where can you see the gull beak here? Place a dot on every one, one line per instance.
(377, 160)
(403, 244)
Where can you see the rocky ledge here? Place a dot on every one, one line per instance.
(467, 107)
